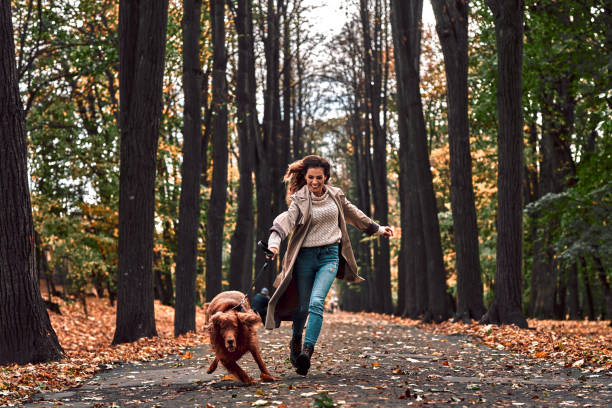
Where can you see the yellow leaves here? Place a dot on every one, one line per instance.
(187, 356)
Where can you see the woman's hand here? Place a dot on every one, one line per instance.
(274, 251)
(386, 231)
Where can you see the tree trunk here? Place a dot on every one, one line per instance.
(142, 36)
(452, 28)
(588, 298)
(287, 81)
(373, 76)
(241, 261)
(573, 294)
(189, 204)
(506, 305)
(298, 105)
(605, 286)
(557, 171)
(269, 163)
(218, 196)
(358, 298)
(407, 20)
(26, 334)
(411, 247)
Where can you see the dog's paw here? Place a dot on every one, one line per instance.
(249, 381)
(267, 378)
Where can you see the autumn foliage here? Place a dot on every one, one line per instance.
(86, 340)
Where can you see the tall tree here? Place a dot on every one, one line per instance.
(241, 261)
(452, 27)
(287, 72)
(189, 205)
(142, 37)
(218, 197)
(26, 334)
(506, 305)
(373, 75)
(270, 162)
(298, 95)
(407, 38)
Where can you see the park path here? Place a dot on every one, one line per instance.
(361, 361)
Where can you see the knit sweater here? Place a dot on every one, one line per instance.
(324, 228)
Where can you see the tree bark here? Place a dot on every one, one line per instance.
(241, 261)
(287, 84)
(506, 305)
(26, 334)
(407, 19)
(588, 298)
(298, 105)
(573, 293)
(269, 163)
(373, 75)
(218, 196)
(605, 286)
(452, 28)
(189, 204)
(142, 35)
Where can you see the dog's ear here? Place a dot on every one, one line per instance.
(217, 318)
(249, 318)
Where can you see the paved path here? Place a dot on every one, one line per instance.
(360, 362)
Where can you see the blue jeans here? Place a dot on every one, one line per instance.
(314, 272)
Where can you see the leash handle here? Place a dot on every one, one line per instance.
(264, 247)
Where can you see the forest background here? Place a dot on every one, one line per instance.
(266, 88)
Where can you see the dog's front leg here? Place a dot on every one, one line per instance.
(234, 368)
(265, 374)
(213, 366)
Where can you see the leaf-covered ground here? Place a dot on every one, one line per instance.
(86, 340)
(583, 344)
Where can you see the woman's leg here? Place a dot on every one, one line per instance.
(304, 272)
(325, 275)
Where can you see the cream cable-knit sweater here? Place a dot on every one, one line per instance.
(324, 229)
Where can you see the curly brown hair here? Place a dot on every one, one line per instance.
(295, 177)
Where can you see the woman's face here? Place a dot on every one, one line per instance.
(315, 179)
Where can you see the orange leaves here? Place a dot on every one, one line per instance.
(86, 341)
(570, 343)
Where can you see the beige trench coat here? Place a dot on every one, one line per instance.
(296, 223)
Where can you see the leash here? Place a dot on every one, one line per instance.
(269, 254)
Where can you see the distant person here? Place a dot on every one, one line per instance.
(319, 251)
(260, 303)
(333, 304)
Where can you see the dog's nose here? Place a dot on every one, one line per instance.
(230, 341)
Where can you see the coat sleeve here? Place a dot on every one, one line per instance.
(356, 217)
(285, 222)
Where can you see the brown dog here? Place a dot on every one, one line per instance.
(232, 329)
